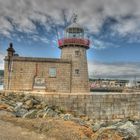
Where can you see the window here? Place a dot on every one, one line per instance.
(52, 72)
(21, 70)
(77, 53)
(74, 35)
(77, 72)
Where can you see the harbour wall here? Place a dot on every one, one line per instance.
(99, 106)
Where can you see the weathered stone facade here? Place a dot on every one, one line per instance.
(68, 74)
(24, 70)
(79, 62)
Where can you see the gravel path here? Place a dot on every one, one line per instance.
(8, 131)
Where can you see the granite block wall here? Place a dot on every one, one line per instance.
(100, 107)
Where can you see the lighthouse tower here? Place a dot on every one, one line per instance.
(73, 47)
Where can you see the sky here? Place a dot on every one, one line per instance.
(113, 27)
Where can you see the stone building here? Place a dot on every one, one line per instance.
(67, 74)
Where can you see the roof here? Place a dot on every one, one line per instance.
(75, 25)
(36, 59)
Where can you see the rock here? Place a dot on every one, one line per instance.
(40, 114)
(31, 114)
(50, 113)
(67, 117)
(38, 106)
(128, 130)
(58, 111)
(35, 102)
(46, 108)
(96, 127)
(26, 107)
(19, 105)
(10, 109)
(44, 104)
(27, 97)
(20, 112)
(3, 106)
(21, 97)
(79, 121)
(125, 129)
(10, 102)
(86, 118)
(29, 103)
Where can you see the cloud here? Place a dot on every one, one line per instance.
(2, 60)
(5, 27)
(100, 44)
(114, 70)
(92, 14)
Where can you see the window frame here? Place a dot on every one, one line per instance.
(77, 54)
(52, 74)
(77, 72)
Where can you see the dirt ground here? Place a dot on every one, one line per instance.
(35, 129)
(12, 128)
(9, 131)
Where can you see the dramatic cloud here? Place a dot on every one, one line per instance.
(23, 15)
(114, 70)
(1, 61)
(109, 23)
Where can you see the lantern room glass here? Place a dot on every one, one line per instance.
(74, 33)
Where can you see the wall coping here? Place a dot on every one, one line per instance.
(58, 93)
(37, 59)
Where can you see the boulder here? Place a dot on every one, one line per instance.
(3, 106)
(40, 114)
(67, 117)
(26, 107)
(44, 104)
(20, 112)
(35, 102)
(10, 109)
(27, 97)
(38, 106)
(128, 130)
(29, 103)
(31, 114)
(18, 105)
(50, 113)
(96, 127)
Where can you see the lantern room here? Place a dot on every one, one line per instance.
(74, 36)
(74, 31)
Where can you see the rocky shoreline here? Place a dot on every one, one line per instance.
(29, 109)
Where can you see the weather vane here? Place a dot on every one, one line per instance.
(75, 18)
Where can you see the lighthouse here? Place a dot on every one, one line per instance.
(68, 74)
(74, 47)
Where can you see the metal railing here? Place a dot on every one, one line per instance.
(75, 41)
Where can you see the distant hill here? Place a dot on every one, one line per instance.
(1, 72)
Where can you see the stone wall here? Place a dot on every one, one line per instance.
(80, 81)
(24, 70)
(99, 106)
(106, 107)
